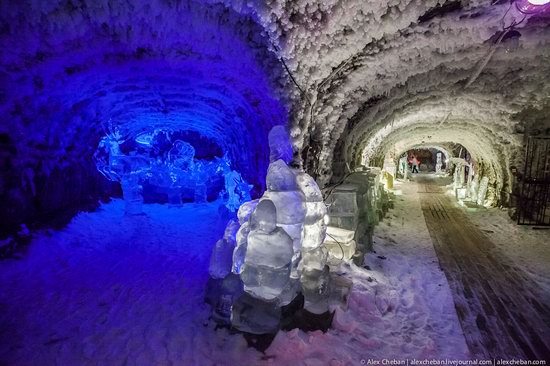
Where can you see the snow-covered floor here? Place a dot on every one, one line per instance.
(501, 313)
(400, 309)
(528, 249)
(110, 290)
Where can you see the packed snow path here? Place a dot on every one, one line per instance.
(500, 313)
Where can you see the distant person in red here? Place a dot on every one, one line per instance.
(415, 163)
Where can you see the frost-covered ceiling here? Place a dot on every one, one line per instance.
(377, 73)
(380, 72)
(371, 74)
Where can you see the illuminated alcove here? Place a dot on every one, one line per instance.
(208, 83)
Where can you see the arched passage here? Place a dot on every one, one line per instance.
(204, 70)
(353, 80)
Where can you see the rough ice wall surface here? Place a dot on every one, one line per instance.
(371, 74)
(68, 68)
(379, 72)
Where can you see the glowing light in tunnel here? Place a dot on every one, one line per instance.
(531, 6)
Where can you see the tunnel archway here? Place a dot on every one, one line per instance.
(468, 120)
(426, 154)
(354, 83)
(211, 79)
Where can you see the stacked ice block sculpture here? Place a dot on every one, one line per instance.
(283, 247)
(278, 251)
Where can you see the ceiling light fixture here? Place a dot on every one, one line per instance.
(531, 6)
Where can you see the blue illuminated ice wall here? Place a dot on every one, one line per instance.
(185, 66)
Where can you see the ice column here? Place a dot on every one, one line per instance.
(314, 270)
(283, 189)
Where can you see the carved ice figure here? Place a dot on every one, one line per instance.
(316, 210)
(283, 237)
(458, 176)
(439, 162)
(108, 155)
(244, 190)
(236, 188)
(129, 170)
(403, 167)
(239, 253)
(474, 189)
(232, 180)
(181, 156)
(132, 194)
(221, 259)
(268, 255)
(314, 272)
(200, 175)
(482, 192)
(279, 145)
(222, 254)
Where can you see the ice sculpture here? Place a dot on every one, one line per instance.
(170, 167)
(459, 172)
(403, 168)
(343, 223)
(221, 259)
(439, 163)
(482, 192)
(181, 156)
(236, 188)
(279, 250)
(129, 170)
(222, 254)
(314, 272)
(132, 194)
(282, 242)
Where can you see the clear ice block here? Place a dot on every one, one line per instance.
(265, 282)
(280, 177)
(290, 206)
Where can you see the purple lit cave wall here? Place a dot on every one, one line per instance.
(70, 68)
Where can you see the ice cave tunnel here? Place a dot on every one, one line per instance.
(228, 182)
